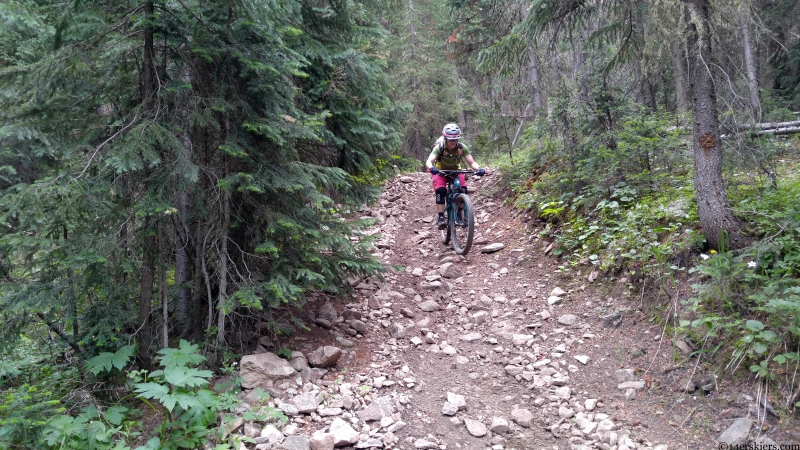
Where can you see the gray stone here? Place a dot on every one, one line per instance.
(469, 337)
(514, 370)
(685, 384)
(396, 330)
(565, 413)
(553, 299)
(562, 392)
(590, 404)
(449, 270)
(683, 346)
(305, 403)
(296, 443)
(449, 409)
(568, 319)
(630, 394)
(323, 441)
(343, 433)
(326, 356)
(429, 306)
(370, 443)
(327, 312)
(737, 433)
(479, 317)
(299, 363)
(623, 375)
(374, 303)
(605, 425)
(329, 412)
(491, 248)
(638, 385)
(522, 417)
(499, 425)
(359, 326)
(288, 409)
(457, 400)
(475, 427)
(377, 410)
(612, 320)
(258, 370)
(425, 444)
(583, 359)
(557, 292)
(272, 434)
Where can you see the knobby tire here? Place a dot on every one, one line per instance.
(445, 234)
(463, 233)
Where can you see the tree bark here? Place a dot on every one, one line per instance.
(183, 267)
(720, 226)
(750, 68)
(681, 99)
(162, 294)
(146, 280)
(418, 149)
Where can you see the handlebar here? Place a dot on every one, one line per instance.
(445, 173)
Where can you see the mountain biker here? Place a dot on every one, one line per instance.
(447, 154)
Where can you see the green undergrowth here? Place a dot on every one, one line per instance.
(108, 405)
(630, 209)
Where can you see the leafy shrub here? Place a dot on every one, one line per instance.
(751, 299)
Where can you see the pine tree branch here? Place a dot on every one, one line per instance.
(96, 150)
(55, 329)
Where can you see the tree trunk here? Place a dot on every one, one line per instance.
(162, 294)
(146, 278)
(750, 67)
(720, 226)
(681, 100)
(183, 267)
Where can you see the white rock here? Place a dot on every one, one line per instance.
(343, 433)
(584, 359)
(499, 425)
(475, 427)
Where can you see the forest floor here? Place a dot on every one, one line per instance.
(474, 355)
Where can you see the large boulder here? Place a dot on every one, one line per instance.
(258, 370)
(326, 356)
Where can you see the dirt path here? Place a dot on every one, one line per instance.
(496, 350)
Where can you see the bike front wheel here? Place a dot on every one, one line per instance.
(463, 227)
(445, 233)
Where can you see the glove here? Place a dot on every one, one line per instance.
(434, 170)
(481, 172)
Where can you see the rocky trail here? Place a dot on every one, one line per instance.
(496, 350)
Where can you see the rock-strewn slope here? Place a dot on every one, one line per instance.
(495, 350)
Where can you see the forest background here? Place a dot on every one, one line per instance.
(181, 171)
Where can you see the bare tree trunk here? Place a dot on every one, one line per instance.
(681, 98)
(146, 278)
(750, 68)
(183, 267)
(533, 71)
(418, 150)
(223, 266)
(162, 294)
(223, 252)
(720, 226)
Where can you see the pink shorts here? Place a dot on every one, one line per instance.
(440, 181)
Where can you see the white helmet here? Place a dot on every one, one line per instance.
(451, 132)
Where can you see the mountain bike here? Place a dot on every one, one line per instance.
(460, 213)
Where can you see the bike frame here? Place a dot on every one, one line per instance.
(451, 177)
